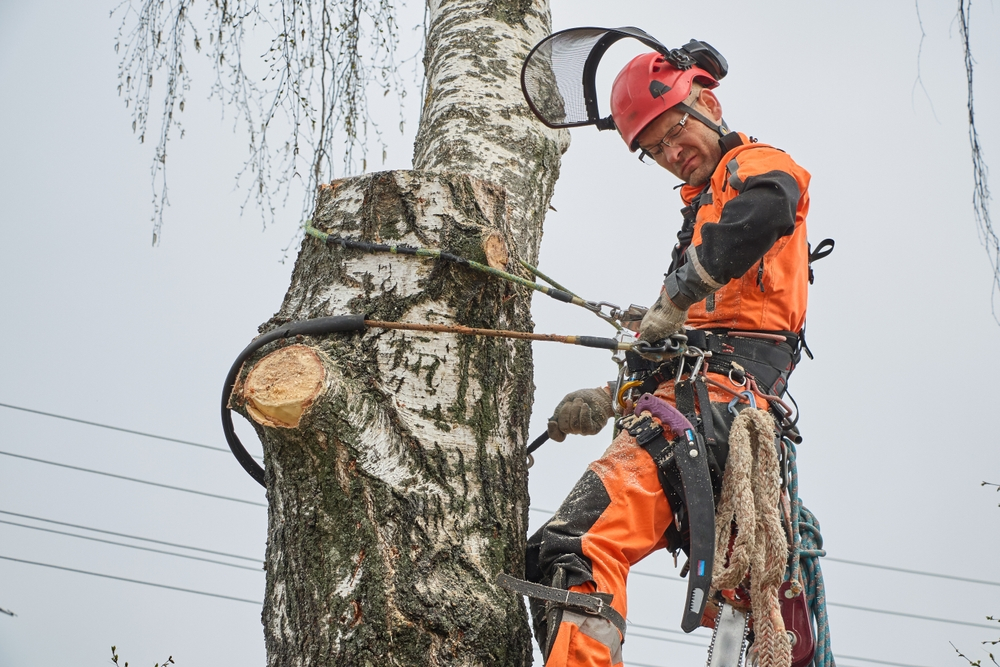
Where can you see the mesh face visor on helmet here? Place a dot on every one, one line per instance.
(558, 77)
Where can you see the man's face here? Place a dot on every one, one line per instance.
(692, 155)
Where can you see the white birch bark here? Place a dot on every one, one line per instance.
(401, 491)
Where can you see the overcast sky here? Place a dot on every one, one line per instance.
(898, 408)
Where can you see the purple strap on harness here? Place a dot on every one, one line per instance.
(666, 413)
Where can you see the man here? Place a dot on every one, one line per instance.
(738, 281)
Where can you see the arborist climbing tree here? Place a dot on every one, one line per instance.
(391, 390)
(690, 434)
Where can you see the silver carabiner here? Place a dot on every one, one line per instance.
(598, 307)
(698, 363)
(680, 368)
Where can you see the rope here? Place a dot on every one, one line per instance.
(558, 293)
(806, 552)
(751, 492)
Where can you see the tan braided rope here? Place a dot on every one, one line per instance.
(751, 492)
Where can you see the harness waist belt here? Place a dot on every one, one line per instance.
(589, 603)
(769, 361)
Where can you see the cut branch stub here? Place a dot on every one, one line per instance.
(496, 251)
(282, 386)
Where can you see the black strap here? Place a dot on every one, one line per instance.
(595, 604)
(705, 410)
(823, 249)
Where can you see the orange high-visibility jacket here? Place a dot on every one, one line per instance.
(747, 265)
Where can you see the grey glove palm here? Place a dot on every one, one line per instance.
(663, 319)
(581, 412)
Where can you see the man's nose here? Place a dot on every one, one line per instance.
(672, 153)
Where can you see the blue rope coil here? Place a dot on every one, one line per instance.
(806, 552)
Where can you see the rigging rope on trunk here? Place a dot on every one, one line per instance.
(557, 291)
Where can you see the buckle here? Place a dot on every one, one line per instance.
(600, 607)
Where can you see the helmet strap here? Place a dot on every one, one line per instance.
(722, 130)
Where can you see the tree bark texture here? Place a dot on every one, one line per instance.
(395, 464)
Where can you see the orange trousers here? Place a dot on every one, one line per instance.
(632, 524)
(615, 516)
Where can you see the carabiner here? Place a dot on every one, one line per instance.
(744, 394)
(701, 354)
(624, 393)
(680, 368)
(614, 311)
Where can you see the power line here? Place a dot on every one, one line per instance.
(117, 428)
(878, 662)
(131, 537)
(657, 628)
(920, 572)
(665, 639)
(848, 562)
(534, 509)
(132, 546)
(132, 581)
(841, 604)
(906, 615)
(133, 479)
(705, 646)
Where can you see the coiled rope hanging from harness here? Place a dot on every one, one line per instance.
(751, 494)
(750, 500)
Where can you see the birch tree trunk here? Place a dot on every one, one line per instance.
(395, 464)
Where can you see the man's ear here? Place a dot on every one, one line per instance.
(711, 104)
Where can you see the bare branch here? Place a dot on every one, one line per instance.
(980, 173)
(919, 81)
(311, 85)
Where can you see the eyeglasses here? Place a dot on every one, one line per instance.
(671, 135)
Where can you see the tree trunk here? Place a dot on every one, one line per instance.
(395, 464)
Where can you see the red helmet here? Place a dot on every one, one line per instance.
(648, 86)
